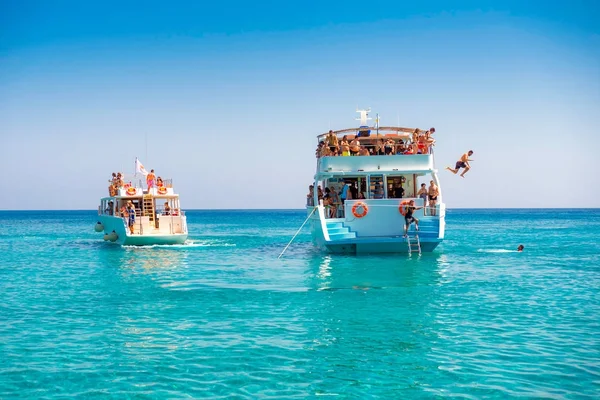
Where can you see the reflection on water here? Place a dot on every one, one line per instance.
(334, 272)
(144, 259)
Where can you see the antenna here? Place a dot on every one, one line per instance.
(364, 116)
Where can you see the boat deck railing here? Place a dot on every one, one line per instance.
(337, 210)
(380, 141)
(139, 181)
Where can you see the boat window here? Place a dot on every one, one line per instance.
(396, 186)
(376, 188)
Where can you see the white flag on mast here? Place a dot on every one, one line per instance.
(140, 168)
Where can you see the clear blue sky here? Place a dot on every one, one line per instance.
(231, 95)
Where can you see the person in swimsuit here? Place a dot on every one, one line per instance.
(150, 178)
(409, 218)
(433, 193)
(130, 217)
(345, 146)
(332, 141)
(422, 193)
(354, 147)
(462, 163)
(389, 147)
(520, 248)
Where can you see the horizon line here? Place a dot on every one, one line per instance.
(304, 209)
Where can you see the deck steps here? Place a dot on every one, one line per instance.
(337, 231)
(148, 209)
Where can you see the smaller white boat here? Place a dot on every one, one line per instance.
(158, 215)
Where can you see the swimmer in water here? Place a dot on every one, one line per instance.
(520, 248)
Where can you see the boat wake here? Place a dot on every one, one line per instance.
(188, 244)
(496, 251)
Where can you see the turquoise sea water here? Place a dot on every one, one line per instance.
(222, 317)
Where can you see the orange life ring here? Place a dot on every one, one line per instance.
(364, 212)
(162, 190)
(401, 208)
(131, 191)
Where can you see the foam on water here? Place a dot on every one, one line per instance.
(186, 244)
(497, 251)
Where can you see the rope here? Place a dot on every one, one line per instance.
(302, 226)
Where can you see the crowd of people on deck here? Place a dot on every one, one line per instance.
(420, 142)
(334, 200)
(117, 182)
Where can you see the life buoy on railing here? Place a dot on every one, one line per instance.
(131, 191)
(358, 205)
(162, 190)
(402, 207)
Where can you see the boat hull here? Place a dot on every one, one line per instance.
(381, 235)
(115, 225)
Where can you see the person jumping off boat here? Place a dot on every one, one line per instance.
(462, 163)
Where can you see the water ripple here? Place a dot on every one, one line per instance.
(222, 317)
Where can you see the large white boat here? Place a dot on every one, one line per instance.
(158, 215)
(370, 193)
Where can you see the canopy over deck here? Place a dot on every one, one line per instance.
(383, 131)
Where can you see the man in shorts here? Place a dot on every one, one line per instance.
(462, 163)
(130, 216)
(409, 217)
(150, 178)
(332, 141)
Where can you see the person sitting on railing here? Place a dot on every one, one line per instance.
(159, 182)
(422, 147)
(415, 136)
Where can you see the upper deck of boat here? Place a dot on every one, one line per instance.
(408, 150)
